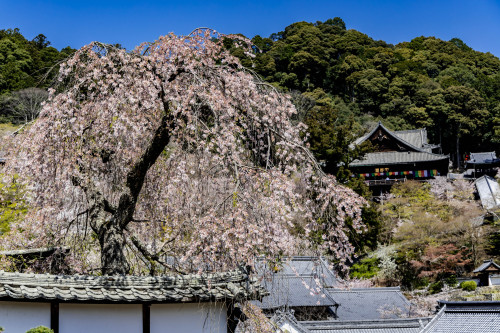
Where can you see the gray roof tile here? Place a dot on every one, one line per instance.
(419, 150)
(466, 317)
(486, 264)
(397, 157)
(284, 319)
(291, 291)
(483, 158)
(417, 137)
(369, 303)
(402, 325)
(287, 287)
(489, 191)
(187, 288)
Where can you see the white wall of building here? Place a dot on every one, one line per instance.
(188, 318)
(18, 317)
(100, 318)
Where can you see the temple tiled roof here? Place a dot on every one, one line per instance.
(294, 291)
(287, 323)
(486, 264)
(466, 317)
(489, 191)
(483, 158)
(370, 303)
(415, 140)
(294, 284)
(310, 266)
(413, 143)
(397, 157)
(129, 289)
(405, 325)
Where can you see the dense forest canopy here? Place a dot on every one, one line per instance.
(25, 64)
(444, 86)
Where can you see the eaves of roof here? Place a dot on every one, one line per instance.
(380, 325)
(486, 264)
(129, 289)
(393, 157)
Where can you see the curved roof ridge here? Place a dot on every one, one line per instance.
(392, 134)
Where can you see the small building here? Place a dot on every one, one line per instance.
(485, 272)
(125, 304)
(399, 155)
(480, 164)
(465, 317)
(370, 303)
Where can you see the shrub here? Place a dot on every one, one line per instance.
(436, 287)
(420, 282)
(365, 269)
(40, 329)
(468, 285)
(451, 281)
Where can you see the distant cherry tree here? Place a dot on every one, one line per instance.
(174, 150)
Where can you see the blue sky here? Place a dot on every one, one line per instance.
(76, 23)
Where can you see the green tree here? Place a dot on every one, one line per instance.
(466, 116)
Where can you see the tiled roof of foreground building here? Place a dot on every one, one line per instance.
(294, 284)
(370, 303)
(130, 289)
(291, 291)
(466, 317)
(402, 325)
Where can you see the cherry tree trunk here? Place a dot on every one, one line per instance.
(112, 242)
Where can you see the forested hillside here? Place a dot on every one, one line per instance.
(444, 86)
(340, 80)
(25, 64)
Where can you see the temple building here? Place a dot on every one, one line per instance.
(479, 164)
(398, 156)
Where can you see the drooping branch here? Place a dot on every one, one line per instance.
(152, 257)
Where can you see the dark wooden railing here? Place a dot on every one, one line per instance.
(384, 182)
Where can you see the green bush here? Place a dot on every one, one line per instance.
(365, 269)
(451, 281)
(436, 287)
(40, 329)
(420, 283)
(468, 285)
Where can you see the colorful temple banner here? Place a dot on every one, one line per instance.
(416, 173)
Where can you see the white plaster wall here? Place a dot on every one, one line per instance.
(100, 318)
(18, 317)
(188, 318)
